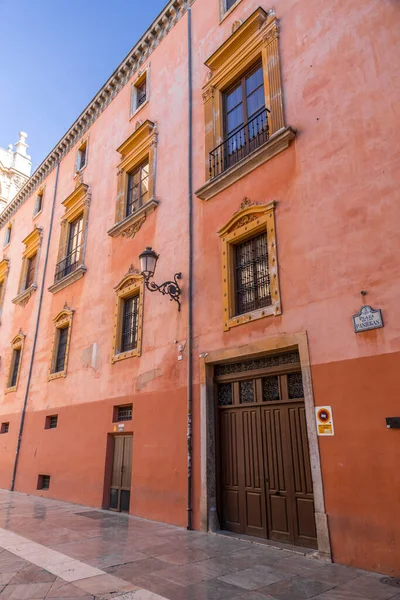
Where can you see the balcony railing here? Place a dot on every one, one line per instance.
(240, 144)
(68, 265)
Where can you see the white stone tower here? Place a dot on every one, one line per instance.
(15, 170)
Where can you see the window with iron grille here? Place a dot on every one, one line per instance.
(15, 367)
(123, 413)
(252, 284)
(4, 427)
(138, 188)
(61, 350)
(51, 422)
(30, 271)
(130, 318)
(141, 93)
(43, 482)
(70, 263)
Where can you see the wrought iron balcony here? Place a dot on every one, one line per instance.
(68, 265)
(240, 144)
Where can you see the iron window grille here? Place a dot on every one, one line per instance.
(130, 320)
(141, 93)
(61, 350)
(252, 279)
(245, 122)
(15, 367)
(43, 482)
(138, 188)
(30, 272)
(123, 413)
(51, 422)
(71, 262)
(4, 428)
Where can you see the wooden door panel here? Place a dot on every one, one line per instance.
(117, 462)
(275, 474)
(127, 463)
(303, 498)
(229, 474)
(254, 492)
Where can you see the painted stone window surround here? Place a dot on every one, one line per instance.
(76, 205)
(143, 75)
(255, 39)
(250, 220)
(62, 321)
(4, 268)
(131, 285)
(139, 147)
(32, 248)
(16, 344)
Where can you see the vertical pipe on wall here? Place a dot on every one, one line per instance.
(22, 421)
(190, 275)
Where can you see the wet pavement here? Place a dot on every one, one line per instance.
(56, 550)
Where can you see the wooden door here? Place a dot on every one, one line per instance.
(120, 491)
(265, 484)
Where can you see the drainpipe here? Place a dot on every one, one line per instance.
(22, 421)
(190, 275)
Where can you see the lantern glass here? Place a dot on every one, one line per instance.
(148, 260)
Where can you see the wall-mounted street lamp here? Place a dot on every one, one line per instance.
(148, 260)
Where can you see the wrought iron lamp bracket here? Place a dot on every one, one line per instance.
(169, 288)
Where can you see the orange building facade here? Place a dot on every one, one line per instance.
(255, 150)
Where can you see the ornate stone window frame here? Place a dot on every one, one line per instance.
(255, 39)
(76, 205)
(131, 285)
(62, 321)
(249, 221)
(4, 269)
(141, 145)
(32, 243)
(142, 75)
(16, 344)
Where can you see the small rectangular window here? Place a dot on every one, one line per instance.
(229, 4)
(130, 321)
(16, 358)
(61, 350)
(43, 482)
(138, 188)
(30, 271)
(82, 157)
(122, 413)
(51, 422)
(141, 93)
(252, 282)
(7, 238)
(38, 204)
(4, 427)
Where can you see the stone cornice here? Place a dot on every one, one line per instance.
(165, 21)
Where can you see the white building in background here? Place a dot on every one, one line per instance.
(15, 169)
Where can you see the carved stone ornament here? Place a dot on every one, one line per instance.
(245, 204)
(78, 179)
(24, 301)
(271, 32)
(244, 221)
(208, 94)
(133, 270)
(132, 230)
(236, 24)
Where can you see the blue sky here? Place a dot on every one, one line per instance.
(56, 56)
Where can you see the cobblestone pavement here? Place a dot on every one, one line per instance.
(55, 550)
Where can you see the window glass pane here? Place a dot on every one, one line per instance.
(234, 119)
(246, 392)
(225, 394)
(14, 375)
(229, 4)
(270, 389)
(254, 81)
(130, 324)
(255, 102)
(234, 98)
(61, 350)
(295, 385)
(141, 93)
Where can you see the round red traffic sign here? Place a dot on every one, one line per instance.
(324, 415)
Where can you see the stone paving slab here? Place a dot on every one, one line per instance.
(52, 550)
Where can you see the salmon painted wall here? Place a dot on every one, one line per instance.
(337, 220)
(337, 232)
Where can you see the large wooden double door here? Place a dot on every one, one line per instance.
(120, 491)
(265, 484)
